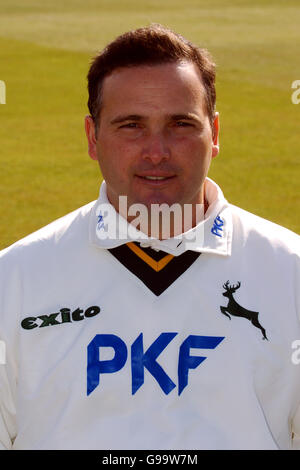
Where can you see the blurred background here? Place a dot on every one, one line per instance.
(45, 51)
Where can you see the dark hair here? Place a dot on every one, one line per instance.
(152, 45)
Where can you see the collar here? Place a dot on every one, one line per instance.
(108, 229)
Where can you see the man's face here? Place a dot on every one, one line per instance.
(154, 142)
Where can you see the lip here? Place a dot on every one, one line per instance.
(155, 173)
(167, 178)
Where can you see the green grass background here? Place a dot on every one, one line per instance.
(45, 51)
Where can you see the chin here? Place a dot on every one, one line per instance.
(148, 202)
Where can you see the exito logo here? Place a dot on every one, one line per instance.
(2, 92)
(296, 94)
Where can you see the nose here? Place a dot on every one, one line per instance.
(156, 148)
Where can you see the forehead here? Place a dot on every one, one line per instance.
(172, 85)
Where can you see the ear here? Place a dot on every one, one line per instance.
(215, 141)
(91, 137)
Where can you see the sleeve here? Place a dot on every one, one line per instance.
(7, 405)
(296, 419)
(8, 370)
(296, 430)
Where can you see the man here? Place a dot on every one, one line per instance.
(118, 339)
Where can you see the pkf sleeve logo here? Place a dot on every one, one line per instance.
(100, 222)
(217, 228)
(233, 308)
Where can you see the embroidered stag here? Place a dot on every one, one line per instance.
(233, 308)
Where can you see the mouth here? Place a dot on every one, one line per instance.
(155, 180)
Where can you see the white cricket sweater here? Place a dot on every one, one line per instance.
(96, 360)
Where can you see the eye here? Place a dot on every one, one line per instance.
(129, 125)
(183, 124)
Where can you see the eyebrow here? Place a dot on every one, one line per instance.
(137, 117)
(127, 117)
(186, 117)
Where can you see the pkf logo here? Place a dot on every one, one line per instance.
(217, 228)
(141, 360)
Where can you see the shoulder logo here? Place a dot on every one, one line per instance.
(217, 228)
(100, 221)
(64, 315)
(234, 309)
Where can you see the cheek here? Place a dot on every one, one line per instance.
(115, 160)
(195, 154)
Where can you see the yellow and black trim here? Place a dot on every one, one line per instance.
(157, 265)
(156, 269)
